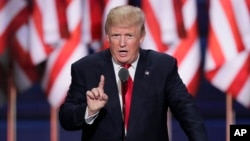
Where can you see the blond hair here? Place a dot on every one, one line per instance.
(125, 15)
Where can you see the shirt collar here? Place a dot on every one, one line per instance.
(118, 66)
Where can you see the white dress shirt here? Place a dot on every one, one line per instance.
(117, 67)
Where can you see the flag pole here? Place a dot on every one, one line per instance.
(53, 124)
(11, 111)
(229, 115)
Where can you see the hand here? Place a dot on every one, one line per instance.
(96, 98)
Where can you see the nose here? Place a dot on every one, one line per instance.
(122, 41)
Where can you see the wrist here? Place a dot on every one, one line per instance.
(91, 112)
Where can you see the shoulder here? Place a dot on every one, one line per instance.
(157, 57)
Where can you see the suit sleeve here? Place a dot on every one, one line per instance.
(72, 111)
(183, 107)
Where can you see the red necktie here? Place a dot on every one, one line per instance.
(127, 98)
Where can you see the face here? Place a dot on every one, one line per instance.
(124, 43)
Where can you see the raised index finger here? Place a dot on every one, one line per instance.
(101, 82)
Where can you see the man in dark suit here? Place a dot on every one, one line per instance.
(94, 103)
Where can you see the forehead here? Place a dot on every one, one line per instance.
(121, 29)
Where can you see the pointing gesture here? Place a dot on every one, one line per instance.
(96, 98)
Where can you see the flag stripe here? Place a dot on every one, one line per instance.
(244, 96)
(248, 5)
(9, 24)
(67, 50)
(215, 50)
(153, 26)
(223, 33)
(37, 18)
(232, 21)
(61, 5)
(186, 44)
(24, 69)
(23, 59)
(179, 18)
(194, 83)
(96, 12)
(3, 3)
(240, 78)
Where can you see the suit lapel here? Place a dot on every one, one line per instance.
(141, 83)
(111, 89)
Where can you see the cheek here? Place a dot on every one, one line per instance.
(134, 50)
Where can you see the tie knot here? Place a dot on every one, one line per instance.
(126, 66)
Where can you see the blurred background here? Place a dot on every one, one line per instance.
(39, 39)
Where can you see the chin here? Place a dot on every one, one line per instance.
(122, 61)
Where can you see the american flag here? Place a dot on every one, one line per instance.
(171, 27)
(11, 17)
(25, 72)
(53, 25)
(43, 29)
(57, 74)
(227, 62)
(14, 39)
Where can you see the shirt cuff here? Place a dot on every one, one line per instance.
(90, 119)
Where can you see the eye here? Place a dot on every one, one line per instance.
(129, 36)
(115, 36)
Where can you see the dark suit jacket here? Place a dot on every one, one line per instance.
(157, 87)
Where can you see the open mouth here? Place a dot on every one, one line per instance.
(123, 53)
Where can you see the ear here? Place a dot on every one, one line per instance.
(142, 37)
(107, 37)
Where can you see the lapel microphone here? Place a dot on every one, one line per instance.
(123, 74)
